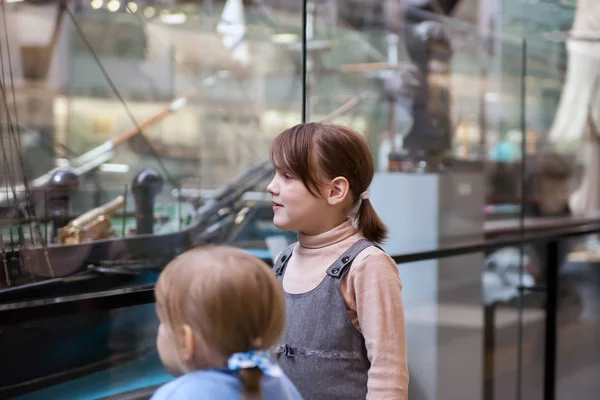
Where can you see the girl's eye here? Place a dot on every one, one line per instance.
(286, 175)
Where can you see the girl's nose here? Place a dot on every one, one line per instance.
(271, 188)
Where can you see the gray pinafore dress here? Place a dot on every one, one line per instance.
(321, 351)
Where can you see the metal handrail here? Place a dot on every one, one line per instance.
(14, 312)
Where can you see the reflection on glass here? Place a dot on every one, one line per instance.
(142, 131)
(150, 135)
(85, 356)
(134, 130)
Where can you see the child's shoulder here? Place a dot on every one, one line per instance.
(223, 385)
(373, 260)
(189, 385)
(372, 269)
(374, 254)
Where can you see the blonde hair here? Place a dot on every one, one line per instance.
(230, 299)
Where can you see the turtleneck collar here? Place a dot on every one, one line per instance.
(335, 235)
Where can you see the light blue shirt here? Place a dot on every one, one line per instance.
(223, 385)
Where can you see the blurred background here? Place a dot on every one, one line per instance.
(133, 130)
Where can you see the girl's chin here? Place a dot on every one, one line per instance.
(283, 224)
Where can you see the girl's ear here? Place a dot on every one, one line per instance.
(187, 342)
(338, 190)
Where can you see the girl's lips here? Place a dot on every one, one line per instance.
(276, 204)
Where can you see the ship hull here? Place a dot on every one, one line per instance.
(144, 251)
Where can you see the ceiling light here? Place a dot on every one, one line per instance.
(149, 12)
(113, 5)
(173, 19)
(285, 38)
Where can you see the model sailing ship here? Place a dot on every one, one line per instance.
(41, 242)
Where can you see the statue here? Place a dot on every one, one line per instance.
(578, 115)
(577, 119)
(430, 51)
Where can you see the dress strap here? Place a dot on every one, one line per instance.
(283, 259)
(339, 268)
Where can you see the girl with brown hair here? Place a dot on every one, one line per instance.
(220, 310)
(345, 335)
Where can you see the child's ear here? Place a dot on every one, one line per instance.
(338, 191)
(187, 342)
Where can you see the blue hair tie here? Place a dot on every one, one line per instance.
(260, 359)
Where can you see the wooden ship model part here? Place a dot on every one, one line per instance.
(93, 225)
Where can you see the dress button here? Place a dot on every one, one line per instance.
(283, 258)
(335, 270)
(345, 259)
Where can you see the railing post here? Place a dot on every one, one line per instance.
(552, 264)
(489, 350)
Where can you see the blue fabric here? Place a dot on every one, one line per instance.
(255, 358)
(223, 385)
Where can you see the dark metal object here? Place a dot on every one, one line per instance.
(145, 187)
(430, 50)
(489, 348)
(60, 188)
(550, 331)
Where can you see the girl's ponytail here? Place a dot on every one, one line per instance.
(369, 223)
(251, 378)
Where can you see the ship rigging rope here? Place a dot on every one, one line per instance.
(11, 171)
(117, 93)
(34, 227)
(9, 177)
(7, 168)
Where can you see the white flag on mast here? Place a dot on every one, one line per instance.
(232, 28)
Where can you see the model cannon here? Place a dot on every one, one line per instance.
(93, 225)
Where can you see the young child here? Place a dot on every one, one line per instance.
(345, 335)
(220, 309)
(549, 188)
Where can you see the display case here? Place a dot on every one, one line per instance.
(134, 131)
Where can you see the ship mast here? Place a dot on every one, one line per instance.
(14, 136)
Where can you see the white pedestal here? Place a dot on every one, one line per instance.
(422, 211)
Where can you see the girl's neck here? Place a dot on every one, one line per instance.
(335, 234)
(324, 223)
